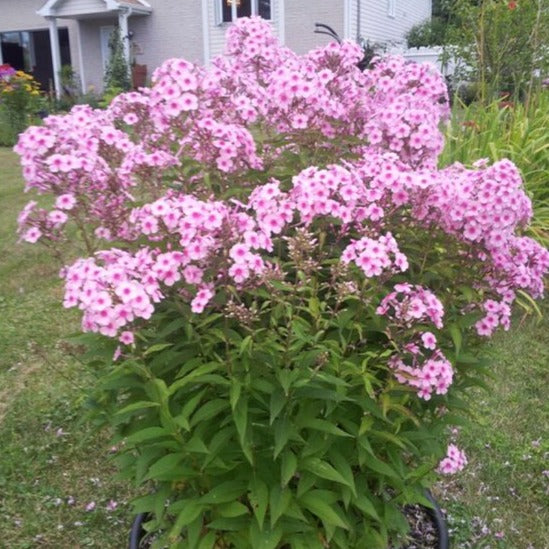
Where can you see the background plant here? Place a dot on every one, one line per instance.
(319, 324)
(117, 72)
(500, 45)
(20, 100)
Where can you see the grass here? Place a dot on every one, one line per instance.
(505, 487)
(52, 467)
(504, 491)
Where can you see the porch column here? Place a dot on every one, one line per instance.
(55, 54)
(124, 33)
(81, 58)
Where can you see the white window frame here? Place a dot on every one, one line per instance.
(254, 8)
(391, 8)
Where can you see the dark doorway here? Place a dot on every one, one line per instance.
(30, 51)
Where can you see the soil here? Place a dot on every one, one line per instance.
(423, 533)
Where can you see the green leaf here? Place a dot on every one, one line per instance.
(157, 389)
(185, 380)
(246, 345)
(323, 426)
(314, 307)
(324, 470)
(190, 406)
(288, 467)
(258, 497)
(365, 425)
(140, 405)
(208, 541)
(455, 332)
(233, 509)
(196, 445)
(343, 468)
(313, 502)
(240, 416)
(147, 434)
(366, 506)
(167, 468)
(380, 467)
(281, 435)
(234, 392)
(279, 501)
(225, 492)
(229, 524)
(156, 348)
(209, 410)
(265, 538)
(278, 399)
(191, 510)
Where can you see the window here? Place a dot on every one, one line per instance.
(391, 8)
(17, 50)
(230, 10)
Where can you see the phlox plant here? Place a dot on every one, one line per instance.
(281, 292)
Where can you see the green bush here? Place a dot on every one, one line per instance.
(429, 33)
(117, 74)
(20, 101)
(502, 46)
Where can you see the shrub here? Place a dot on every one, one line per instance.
(501, 45)
(429, 33)
(20, 100)
(286, 319)
(117, 73)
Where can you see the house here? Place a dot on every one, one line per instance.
(41, 36)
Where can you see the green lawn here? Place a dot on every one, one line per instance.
(52, 467)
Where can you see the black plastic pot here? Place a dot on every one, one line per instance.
(137, 532)
(439, 522)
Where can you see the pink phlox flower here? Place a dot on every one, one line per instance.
(429, 340)
(454, 461)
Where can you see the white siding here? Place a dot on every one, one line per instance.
(173, 29)
(301, 18)
(376, 26)
(79, 7)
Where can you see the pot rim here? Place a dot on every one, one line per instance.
(137, 531)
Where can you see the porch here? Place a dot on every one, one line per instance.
(96, 19)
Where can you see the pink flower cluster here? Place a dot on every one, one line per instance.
(408, 305)
(373, 256)
(419, 364)
(428, 374)
(454, 461)
(411, 100)
(153, 171)
(114, 293)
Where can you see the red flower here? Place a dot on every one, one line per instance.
(512, 5)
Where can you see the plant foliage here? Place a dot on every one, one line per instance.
(285, 319)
